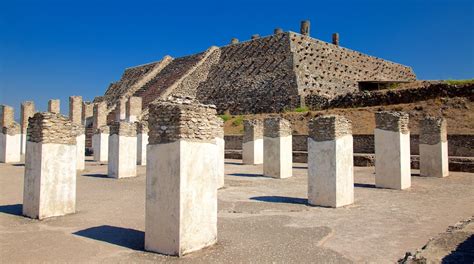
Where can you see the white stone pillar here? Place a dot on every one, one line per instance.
(252, 144)
(80, 135)
(330, 162)
(392, 150)
(75, 109)
(122, 150)
(50, 167)
(10, 136)
(181, 187)
(220, 153)
(27, 111)
(142, 142)
(54, 106)
(277, 148)
(433, 147)
(121, 109)
(100, 138)
(87, 113)
(134, 108)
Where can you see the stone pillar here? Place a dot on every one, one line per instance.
(10, 136)
(181, 188)
(220, 153)
(277, 148)
(335, 39)
(433, 147)
(54, 106)
(142, 142)
(255, 36)
(122, 150)
(50, 167)
(87, 112)
(100, 139)
(234, 41)
(75, 109)
(121, 109)
(80, 135)
(392, 150)
(330, 162)
(27, 111)
(277, 31)
(252, 145)
(305, 27)
(134, 108)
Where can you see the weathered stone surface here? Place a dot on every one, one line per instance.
(253, 130)
(329, 127)
(87, 111)
(75, 109)
(103, 129)
(335, 39)
(220, 127)
(304, 29)
(46, 127)
(142, 127)
(121, 109)
(234, 41)
(13, 129)
(123, 128)
(100, 115)
(433, 130)
(8, 117)
(255, 36)
(134, 108)
(54, 106)
(181, 118)
(78, 129)
(277, 31)
(392, 121)
(276, 127)
(27, 111)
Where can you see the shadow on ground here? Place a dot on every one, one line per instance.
(364, 185)
(280, 199)
(124, 237)
(97, 175)
(245, 175)
(13, 209)
(464, 253)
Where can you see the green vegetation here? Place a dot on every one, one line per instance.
(393, 85)
(225, 117)
(238, 120)
(460, 82)
(301, 109)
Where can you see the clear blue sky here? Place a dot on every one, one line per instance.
(54, 49)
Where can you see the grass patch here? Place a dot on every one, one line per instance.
(225, 117)
(301, 109)
(238, 120)
(460, 82)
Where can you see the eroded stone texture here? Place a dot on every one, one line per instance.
(277, 31)
(392, 121)
(329, 127)
(433, 130)
(7, 116)
(75, 109)
(220, 127)
(100, 115)
(123, 128)
(54, 106)
(181, 118)
(255, 36)
(234, 41)
(46, 127)
(134, 108)
(335, 39)
(11, 130)
(27, 111)
(253, 130)
(304, 29)
(276, 127)
(142, 127)
(87, 112)
(121, 109)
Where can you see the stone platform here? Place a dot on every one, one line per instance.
(260, 219)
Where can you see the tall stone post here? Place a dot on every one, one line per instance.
(305, 27)
(122, 150)
(87, 112)
(392, 150)
(100, 139)
(255, 36)
(277, 31)
(75, 109)
(335, 39)
(27, 111)
(252, 146)
(142, 142)
(234, 41)
(220, 153)
(50, 167)
(277, 148)
(433, 147)
(121, 109)
(75, 115)
(54, 106)
(134, 108)
(330, 162)
(181, 187)
(10, 136)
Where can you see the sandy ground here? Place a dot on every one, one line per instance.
(261, 220)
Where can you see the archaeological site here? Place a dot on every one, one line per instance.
(277, 149)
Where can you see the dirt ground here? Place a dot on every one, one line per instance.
(458, 112)
(260, 220)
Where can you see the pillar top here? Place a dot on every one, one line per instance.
(329, 127)
(276, 127)
(433, 130)
(123, 128)
(392, 121)
(142, 127)
(220, 127)
(253, 129)
(46, 127)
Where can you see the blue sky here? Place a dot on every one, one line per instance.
(54, 49)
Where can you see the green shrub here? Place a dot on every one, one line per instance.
(460, 82)
(302, 109)
(238, 120)
(225, 117)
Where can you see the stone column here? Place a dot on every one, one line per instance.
(50, 167)
(54, 106)
(134, 108)
(75, 115)
(181, 187)
(121, 109)
(27, 111)
(335, 39)
(277, 148)
(220, 153)
(75, 109)
(10, 136)
(433, 147)
(330, 162)
(122, 150)
(252, 145)
(277, 31)
(304, 29)
(100, 139)
(255, 36)
(392, 150)
(234, 41)
(87, 112)
(142, 142)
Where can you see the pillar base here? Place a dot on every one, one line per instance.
(23, 144)
(100, 145)
(252, 152)
(434, 160)
(10, 148)
(80, 152)
(278, 157)
(122, 156)
(142, 142)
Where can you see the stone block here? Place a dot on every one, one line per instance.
(54, 106)
(134, 108)
(100, 144)
(75, 109)
(433, 147)
(27, 111)
(252, 144)
(277, 148)
(122, 150)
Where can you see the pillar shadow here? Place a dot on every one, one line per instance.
(124, 237)
(251, 175)
(280, 199)
(19, 165)
(300, 167)
(464, 252)
(233, 163)
(96, 175)
(364, 185)
(13, 209)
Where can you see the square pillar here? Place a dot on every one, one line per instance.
(54, 106)
(80, 134)
(87, 113)
(433, 147)
(100, 144)
(330, 162)
(220, 143)
(134, 108)
(181, 186)
(392, 150)
(27, 111)
(75, 109)
(10, 136)
(277, 148)
(50, 167)
(142, 142)
(121, 109)
(252, 145)
(122, 150)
